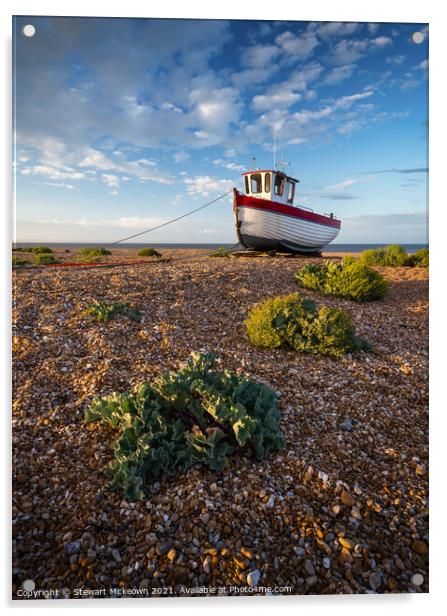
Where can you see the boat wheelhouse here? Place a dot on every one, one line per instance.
(267, 219)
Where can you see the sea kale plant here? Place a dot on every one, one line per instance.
(295, 323)
(104, 311)
(196, 415)
(349, 278)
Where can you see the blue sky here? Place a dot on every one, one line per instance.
(124, 123)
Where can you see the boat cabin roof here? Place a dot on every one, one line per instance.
(288, 177)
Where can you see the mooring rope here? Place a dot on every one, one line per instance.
(169, 222)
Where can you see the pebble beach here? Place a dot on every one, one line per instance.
(342, 509)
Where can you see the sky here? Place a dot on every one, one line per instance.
(121, 124)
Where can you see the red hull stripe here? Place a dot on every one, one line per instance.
(279, 208)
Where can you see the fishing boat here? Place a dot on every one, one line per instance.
(267, 219)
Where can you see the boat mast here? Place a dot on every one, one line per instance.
(274, 148)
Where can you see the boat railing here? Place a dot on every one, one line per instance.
(303, 207)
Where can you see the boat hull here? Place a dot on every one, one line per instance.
(267, 225)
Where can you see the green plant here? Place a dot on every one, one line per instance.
(348, 278)
(293, 322)
(221, 252)
(388, 256)
(148, 252)
(93, 254)
(41, 250)
(18, 262)
(419, 258)
(44, 259)
(104, 311)
(196, 415)
(35, 249)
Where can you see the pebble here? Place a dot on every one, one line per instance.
(346, 543)
(205, 517)
(72, 548)
(207, 564)
(375, 580)
(247, 553)
(310, 569)
(327, 563)
(346, 426)
(163, 548)
(253, 578)
(116, 555)
(355, 512)
(311, 580)
(420, 547)
(421, 469)
(417, 579)
(346, 498)
(171, 554)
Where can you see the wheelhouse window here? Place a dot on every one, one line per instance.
(267, 182)
(291, 193)
(279, 185)
(247, 185)
(256, 183)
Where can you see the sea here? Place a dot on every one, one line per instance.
(330, 248)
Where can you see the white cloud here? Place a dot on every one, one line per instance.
(59, 185)
(350, 182)
(346, 101)
(334, 28)
(133, 107)
(423, 66)
(131, 222)
(348, 127)
(409, 83)
(307, 115)
(297, 46)
(382, 41)
(181, 156)
(54, 174)
(342, 185)
(339, 73)
(397, 60)
(95, 158)
(232, 166)
(348, 51)
(253, 76)
(258, 56)
(230, 152)
(206, 185)
(262, 102)
(110, 180)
